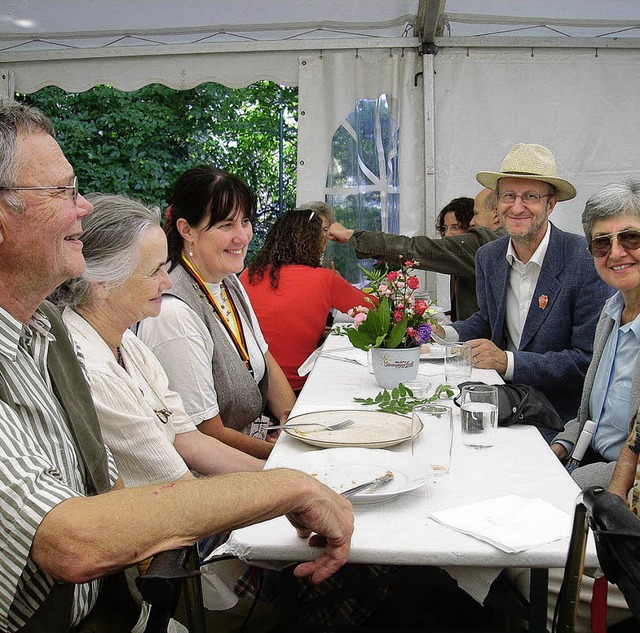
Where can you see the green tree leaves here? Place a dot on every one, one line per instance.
(139, 142)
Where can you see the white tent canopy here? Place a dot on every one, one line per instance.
(467, 78)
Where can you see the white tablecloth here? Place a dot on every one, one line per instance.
(398, 531)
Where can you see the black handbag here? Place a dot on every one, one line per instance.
(522, 404)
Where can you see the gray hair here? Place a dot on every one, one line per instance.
(319, 208)
(110, 239)
(614, 199)
(16, 118)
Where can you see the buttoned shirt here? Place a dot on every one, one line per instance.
(39, 469)
(609, 400)
(523, 279)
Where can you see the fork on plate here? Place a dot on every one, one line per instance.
(332, 426)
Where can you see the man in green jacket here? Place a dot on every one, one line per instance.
(453, 255)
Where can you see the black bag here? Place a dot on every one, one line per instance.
(617, 534)
(522, 404)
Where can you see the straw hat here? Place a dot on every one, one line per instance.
(530, 161)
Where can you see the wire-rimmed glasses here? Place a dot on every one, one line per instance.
(73, 187)
(509, 197)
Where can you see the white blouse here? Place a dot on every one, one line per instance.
(129, 404)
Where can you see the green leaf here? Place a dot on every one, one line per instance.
(401, 400)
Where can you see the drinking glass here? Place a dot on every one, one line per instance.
(437, 434)
(457, 363)
(479, 410)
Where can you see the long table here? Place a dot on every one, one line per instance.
(399, 531)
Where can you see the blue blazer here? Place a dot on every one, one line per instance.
(557, 339)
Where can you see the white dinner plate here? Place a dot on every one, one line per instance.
(371, 429)
(344, 468)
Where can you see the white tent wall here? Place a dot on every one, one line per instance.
(330, 84)
(581, 103)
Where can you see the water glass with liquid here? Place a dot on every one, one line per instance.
(479, 410)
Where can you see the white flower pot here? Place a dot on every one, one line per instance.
(393, 366)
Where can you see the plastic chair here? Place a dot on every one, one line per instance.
(169, 573)
(617, 536)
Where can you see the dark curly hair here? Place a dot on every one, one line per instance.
(205, 192)
(462, 209)
(295, 238)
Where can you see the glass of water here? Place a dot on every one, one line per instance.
(437, 433)
(479, 410)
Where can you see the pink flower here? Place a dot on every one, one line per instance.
(408, 264)
(420, 307)
(413, 282)
(358, 319)
(392, 276)
(397, 316)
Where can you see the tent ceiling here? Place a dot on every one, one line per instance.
(77, 28)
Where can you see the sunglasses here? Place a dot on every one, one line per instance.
(601, 245)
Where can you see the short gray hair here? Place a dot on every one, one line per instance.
(320, 208)
(16, 118)
(110, 239)
(613, 200)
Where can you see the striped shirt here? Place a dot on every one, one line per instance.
(39, 469)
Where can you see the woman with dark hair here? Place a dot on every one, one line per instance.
(455, 217)
(291, 292)
(207, 336)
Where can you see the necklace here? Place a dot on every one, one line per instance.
(232, 322)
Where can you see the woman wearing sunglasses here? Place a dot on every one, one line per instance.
(611, 394)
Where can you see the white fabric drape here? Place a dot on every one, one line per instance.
(329, 85)
(582, 104)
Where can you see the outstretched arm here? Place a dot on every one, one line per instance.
(87, 537)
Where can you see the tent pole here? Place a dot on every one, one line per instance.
(429, 159)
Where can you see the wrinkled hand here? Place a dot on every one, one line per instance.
(339, 233)
(560, 451)
(330, 516)
(486, 355)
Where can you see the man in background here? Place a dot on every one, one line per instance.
(453, 255)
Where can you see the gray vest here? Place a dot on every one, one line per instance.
(240, 399)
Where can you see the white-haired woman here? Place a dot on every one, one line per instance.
(143, 422)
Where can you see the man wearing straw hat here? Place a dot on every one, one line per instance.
(538, 290)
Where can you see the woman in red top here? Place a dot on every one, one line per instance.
(289, 290)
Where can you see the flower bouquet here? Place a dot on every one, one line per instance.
(399, 320)
(395, 325)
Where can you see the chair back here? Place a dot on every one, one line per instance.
(168, 574)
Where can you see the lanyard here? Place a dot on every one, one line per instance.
(235, 331)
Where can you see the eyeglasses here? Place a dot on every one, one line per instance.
(527, 198)
(601, 245)
(73, 187)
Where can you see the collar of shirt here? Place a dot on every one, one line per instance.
(613, 307)
(12, 331)
(538, 255)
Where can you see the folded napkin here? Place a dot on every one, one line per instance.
(510, 523)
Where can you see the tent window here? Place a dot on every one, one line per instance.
(362, 178)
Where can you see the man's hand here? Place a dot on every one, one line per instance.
(486, 355)
(339, 233)
(560, 451)
(330, 516)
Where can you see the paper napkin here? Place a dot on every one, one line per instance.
(511, 523)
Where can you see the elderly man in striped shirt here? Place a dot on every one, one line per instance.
(66, 522)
